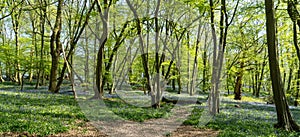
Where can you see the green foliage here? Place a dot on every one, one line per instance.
(194, 118)
(201, 5)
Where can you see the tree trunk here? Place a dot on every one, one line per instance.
(56, 48)
(254, 79)
(260, 79)
(238, 83)
(195, 64)
(213, 97)
(294, 15)
(86, 65)
(100, 54)
(179, 83)
(174, 81)
(204, 76)
(15, 21)
(189, 81)
(1, 78)
(156, 92)
(284, 117)
(289, 79)
(218, 54)
(298, 87)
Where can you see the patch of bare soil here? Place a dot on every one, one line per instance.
(128, 130)
(189, 131)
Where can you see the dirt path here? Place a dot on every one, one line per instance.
(88, 130)
(161, 127)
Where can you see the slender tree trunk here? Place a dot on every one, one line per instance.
(195, 64)
(178, 69)
(87, 55)
(179, 82)
(156, 92)
(40, 73)
(212, 100)
(298, 87)
(189, 90)
(204, 76)
(3, 42)
(254, 79)
(289, 79)
(174, 81)
(261, 78)
(1, 78)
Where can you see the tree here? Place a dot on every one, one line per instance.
(41, 69)
(284, 117)
(218, 52)
(56, 48)
(76, 28)
(294, 15)
(16, 18)
(103, 9)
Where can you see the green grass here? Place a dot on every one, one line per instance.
(37, 113)
(250, 120)
(114, 108)
(138, 114)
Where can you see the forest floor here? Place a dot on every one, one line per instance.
(88, 130)
(39, 113)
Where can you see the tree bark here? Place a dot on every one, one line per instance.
(16, 24)
(238, 83)
(205, 56)
(294, 15)
(284, 117)
(99, 90)
(212, 100)
(298, 87)
(87, 55)
(56, 48)
(1, 78)
(218, 54)
(195, 64)
(43, 15)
